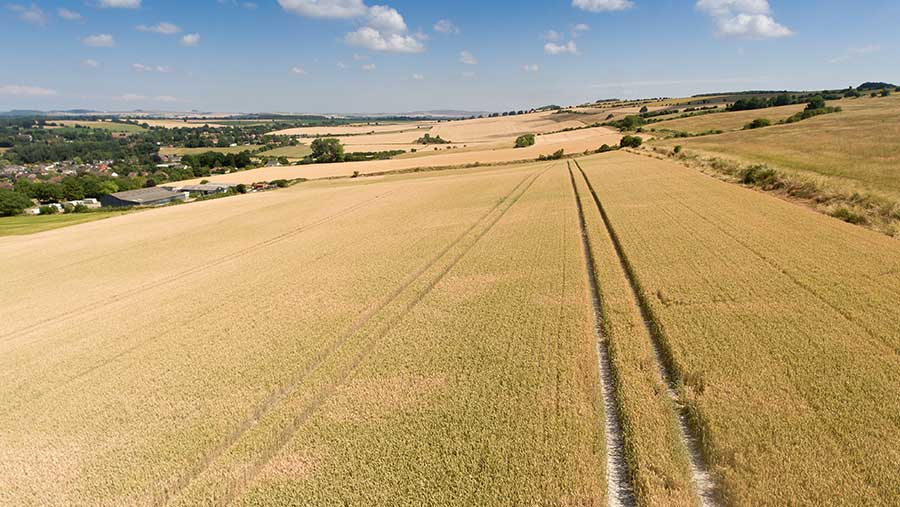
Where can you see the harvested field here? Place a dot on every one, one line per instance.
(451, 364)
(780, 326)
(355, 130)
(179, 124)
(105, 125)
(299, 151)
(571, 142)
(197, 151)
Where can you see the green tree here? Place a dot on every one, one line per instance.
(644, 110)
(524, 141)
(72, 189)
(108, 187)
(630, 142)
(327, 150)
(12, 203)
(816, 102)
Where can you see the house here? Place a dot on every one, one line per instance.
(153, 196)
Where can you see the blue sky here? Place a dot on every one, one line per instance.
(405, 55)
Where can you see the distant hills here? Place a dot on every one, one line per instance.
(437, 114)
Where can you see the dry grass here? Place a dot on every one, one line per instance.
(726, 121)
(380, 341)
(860, 145)
(781, 324)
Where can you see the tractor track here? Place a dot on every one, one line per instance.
(273, 401)
(705, 488)
(620, 489)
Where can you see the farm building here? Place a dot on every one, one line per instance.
(206, 188)
(154, 196)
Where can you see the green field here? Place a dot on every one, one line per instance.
(288, 151)
(22, 225)
(105, 125)
(197, 151)
(859, 146)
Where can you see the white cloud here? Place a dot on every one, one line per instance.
(360, 58)
(581, 27)
(467, 58)
(467, 74)
(531, 67)
(300, 71)
(191, 39)
(551, 48)
(418, 77)
(341, 65)
(384, 30)
(386, 19)
(744, 18)
(68, 15)
(326, 8)
(854, 53)
(90, 64)
(120, 4)
(161, 28)
(369, 67)
(551, 35)
(102, 40)
(602, 5)
(26, 91)
(370, 38)
(165, 98)
(446, 26)
(163, 69)
(30, 14)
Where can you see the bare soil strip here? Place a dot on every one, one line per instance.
(619, 483)
(277, 397)
(700, 475)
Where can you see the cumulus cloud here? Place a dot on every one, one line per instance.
(161, 28)
(120, 4)
(531, 67)
(191, 39)
(467, 58)
(341, 65)
(369, 67)
(68, 15)
(551, 48)
(102, 40)
(299, 71)
(370, 38)
(446, 26)
(744, 18)
(854, 53)
(360, 58)
(90, 64)
(384, 29)
(29, 13)
(418, 77)
(326, 8)
(26, 91)
(602, 5)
